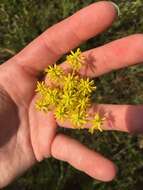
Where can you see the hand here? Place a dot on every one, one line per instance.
(27, 135)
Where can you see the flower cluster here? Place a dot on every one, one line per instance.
(69, 95)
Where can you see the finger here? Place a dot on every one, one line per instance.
(82, 158)
(42, 129)
(66, 35)
(127, 118)
(120, 53)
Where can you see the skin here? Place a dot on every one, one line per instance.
(28, 136)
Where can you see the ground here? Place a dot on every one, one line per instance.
(23, 20)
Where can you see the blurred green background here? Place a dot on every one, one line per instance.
(23, 20)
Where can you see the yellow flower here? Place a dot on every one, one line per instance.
(70, 83)
(86, 87)
(83, 103)
(53, 96)
(49, 97)
(78, 119)
(42, 105)
(97, 123)
(54, 72)
(75, 59)
(68, 95)
(69, 99)
(61, 112)
(41, 88)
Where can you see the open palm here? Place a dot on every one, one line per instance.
(26, 135)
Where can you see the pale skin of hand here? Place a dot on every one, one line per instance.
(28, 136)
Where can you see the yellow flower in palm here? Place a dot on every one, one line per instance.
(42, 105)
(68, 95)
(83, 103)
(70, 83)
(69, 99)
(54, 72)
(75, 59)
(61, 112)
(78, 119)
(86, 87)
(97, 123)
(41, 88)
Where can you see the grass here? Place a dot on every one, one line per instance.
(22, 21)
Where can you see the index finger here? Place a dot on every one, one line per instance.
(66, 35)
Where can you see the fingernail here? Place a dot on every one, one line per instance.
(117, 8)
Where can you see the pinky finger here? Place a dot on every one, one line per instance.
(95, 165)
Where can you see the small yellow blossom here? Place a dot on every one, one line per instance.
(61, 113)
(86, 86)
(41, 88)
(68, 99)
(76, 60)
(42, 105)
(53, 96)
(97, 123)
(70, 83)
(83, 103)
(54, 72)
(78, 119)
